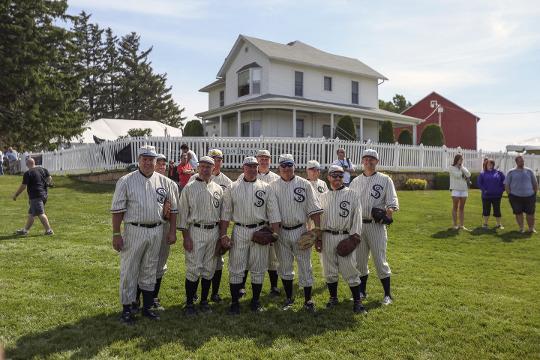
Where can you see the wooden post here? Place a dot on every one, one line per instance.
(238, 124)
(294, 123)
(220, 125)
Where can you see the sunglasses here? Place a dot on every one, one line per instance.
(286, 165)
(336, 176)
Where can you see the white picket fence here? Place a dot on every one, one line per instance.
(99, 157)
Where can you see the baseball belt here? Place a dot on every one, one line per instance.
(149, 226)
(251, 226)
(336, 232)
(367, 221)
(291, 227)
(206, 226)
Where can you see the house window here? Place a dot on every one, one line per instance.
(243, 83)
(326, 131)
(298, 83)
(256, 81)
(222, 98)
(354, 93)
(299, 127)
(256, 128)
(327, 83)
(245, 129)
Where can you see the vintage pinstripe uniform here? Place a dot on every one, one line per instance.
(377, 191)
(200, 210)
(341, 218)
(296, 201)
(272, 257)
(141, 200)
(248, 204)
(319, 187)
(165, 247)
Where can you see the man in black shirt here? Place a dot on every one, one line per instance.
(36, 181)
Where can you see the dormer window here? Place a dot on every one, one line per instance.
(249, 80)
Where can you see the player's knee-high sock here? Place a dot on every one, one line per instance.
(235, 295)
(355, 291)
(157, 287)
(307, 293)
(138, 298)
(148, 298)
(287, 285)
(332, 289)
(256, 288)
(191, 290)
(272, 274)
(216, 281)
(363, 284)
(386, 286)
(205, 289)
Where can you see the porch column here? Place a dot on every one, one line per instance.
(361, 130)
(332, 125)
(239, 121)
(414, 134)
(294, 123)
(220, 125)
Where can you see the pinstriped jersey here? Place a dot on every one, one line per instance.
(141, 198)
(319, 187)
(250, 202)
(377, 191)
(266, 178)
(221, 179)
(342, 211)
(200, 203)
(296, 200)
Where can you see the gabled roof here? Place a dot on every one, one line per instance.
(213, 84)
(439, 95)
(300, 53)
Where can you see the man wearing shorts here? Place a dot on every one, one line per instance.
(521, 187)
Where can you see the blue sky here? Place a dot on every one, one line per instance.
(483, 55)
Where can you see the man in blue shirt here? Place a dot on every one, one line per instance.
(521, 186)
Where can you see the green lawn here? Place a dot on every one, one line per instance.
(457, 295)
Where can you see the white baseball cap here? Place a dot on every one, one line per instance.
(263, 153)
(371, 153)
(148, 150)
(206, 159)
(161, 157)
(313, 164)
(215, 153)
(286, 158)
(335, 168)
(250, 160)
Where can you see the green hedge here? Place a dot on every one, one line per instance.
(442, 181)
(415, 184)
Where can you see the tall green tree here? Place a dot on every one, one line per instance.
(386, 133)
(111, 76)
(397, 105)
(39, 87)
(345, 128)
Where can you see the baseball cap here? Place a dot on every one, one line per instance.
(313, 164)
(286, 158)
(371, 153)
(148, 150)
(335, 168)
(250, 160)
(215, 153)
(161, 157)
(206, 159)
(263, 153)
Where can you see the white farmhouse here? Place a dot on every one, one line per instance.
(293, 90)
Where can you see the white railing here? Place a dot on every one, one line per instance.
(109, 155)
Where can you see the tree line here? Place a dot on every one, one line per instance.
(59, 71)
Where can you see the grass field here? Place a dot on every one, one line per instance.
(467, 295)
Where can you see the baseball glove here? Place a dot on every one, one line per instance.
(380, 217)
(347, 246)
(307, 239)
(222, 246)
(264, 236)
(167, 210)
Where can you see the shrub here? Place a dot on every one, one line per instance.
(442, 181)
(386, 133)
(405, 137)
(416, 184)
(474, 180)
(432, 136)
(345, 128)
(193, 128)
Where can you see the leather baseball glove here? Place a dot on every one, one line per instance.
(380, 217)
(348, 245)
(307, 239)
(264, 236)
(222, 246)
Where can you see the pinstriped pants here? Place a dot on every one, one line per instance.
(164, 250)
(272, 257)
(333, 264)
(287, 250)
(201, 261)
(374, 240)
(138, 260)
(246, 254)
(219, 263)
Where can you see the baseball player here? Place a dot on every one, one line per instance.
(297, 203)
(313, 172)
(138, 202)
(341, 218)
(222, 180)
(199, 215)
(251, 205)
(376, 190)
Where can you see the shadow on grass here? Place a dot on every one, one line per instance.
(513, 235)
(88, 337)
(18, 237)
(445, 234)
(479, 231)
(81, 186)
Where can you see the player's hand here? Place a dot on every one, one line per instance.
(171, 238)
(14, 197)
(318, 245)
(389, 212)
(167, 210)
(226, 242)
(188, 243)
(117, 242)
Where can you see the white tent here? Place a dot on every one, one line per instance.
(111, 129)
(532, 144)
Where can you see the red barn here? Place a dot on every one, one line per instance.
(458, 125)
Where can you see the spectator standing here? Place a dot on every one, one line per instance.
(522, 186)
(491, 183)
(172, 172)
(12, 157)
(458, 185)
(192, 158)
(1, 163)
(346, 164)
(184, 171)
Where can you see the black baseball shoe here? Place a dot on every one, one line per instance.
(387, 300)
(234, 309)
(309, 306)
(288, 304)
(275, 292)
(256, 306)
(204, 307)
(147, 313)
(216, 298)
(195, 298)
(127, 318)
(190, 310)
(358, 308)
(156, 305)
(135, 307)
(332, 302)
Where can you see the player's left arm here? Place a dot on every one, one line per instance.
(356, 208)
(314, 209)
(272, 211)
(391, 199)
